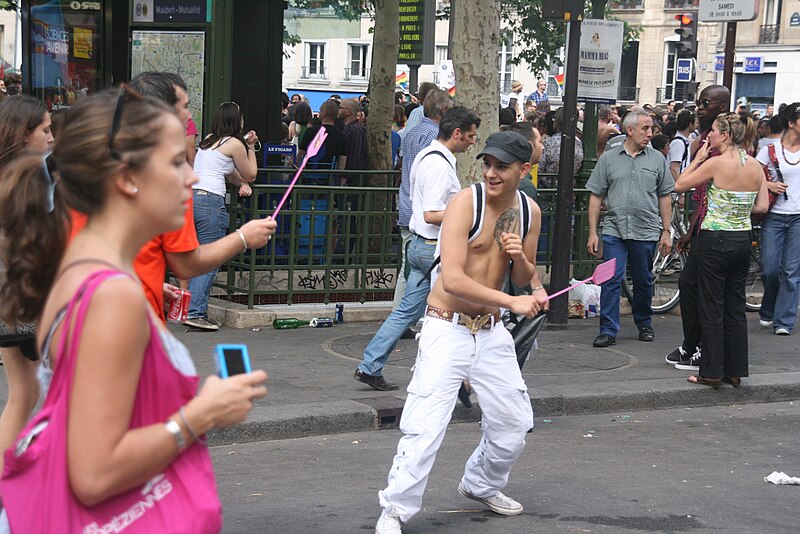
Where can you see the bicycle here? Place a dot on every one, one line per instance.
(667, 270)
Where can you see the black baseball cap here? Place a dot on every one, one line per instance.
(508, 147)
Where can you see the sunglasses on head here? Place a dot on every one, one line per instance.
(116, 122)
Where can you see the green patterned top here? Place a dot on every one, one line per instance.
(728, 210)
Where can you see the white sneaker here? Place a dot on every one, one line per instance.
(388, 525)
(765, 324)
(499, 503)
(781, 331)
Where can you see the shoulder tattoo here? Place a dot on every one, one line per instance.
(507, 222)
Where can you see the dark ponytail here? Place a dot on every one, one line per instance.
(33, 236)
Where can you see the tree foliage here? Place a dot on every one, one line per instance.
(9, 5)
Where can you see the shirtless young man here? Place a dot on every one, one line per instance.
(464, 338)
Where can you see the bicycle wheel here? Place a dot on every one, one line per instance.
(754, 289)
(666, 272)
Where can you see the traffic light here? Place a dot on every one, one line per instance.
(688, 33)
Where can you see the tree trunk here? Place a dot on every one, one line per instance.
(385, 45)
(474, 44)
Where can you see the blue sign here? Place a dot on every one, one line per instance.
(684, 71)
(719, 63)
(753, 65)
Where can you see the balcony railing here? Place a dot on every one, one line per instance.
(314, 73)
(681, 4)
(629, 94)
(769, 34)
(626, 5)
(356, 75)
(665, 94)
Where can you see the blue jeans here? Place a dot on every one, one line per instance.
(211, 223)
(780, 269)
(411, 308)
(640, 256)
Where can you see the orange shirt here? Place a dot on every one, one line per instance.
(151, 263)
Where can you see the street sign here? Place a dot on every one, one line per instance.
(719, 63)
(417, 21)
(727, 10)
(685, 71)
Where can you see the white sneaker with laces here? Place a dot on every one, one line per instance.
(498, 503)
(765, 324)
(388, 525)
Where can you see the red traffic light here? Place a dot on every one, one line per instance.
(685, 18)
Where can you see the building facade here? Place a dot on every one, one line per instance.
(334, 57)
(8, 38)
(771, 41)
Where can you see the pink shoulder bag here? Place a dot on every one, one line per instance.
(35, 483)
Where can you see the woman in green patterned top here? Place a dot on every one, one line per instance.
(736, 187)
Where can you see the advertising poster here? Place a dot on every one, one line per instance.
(600, 59)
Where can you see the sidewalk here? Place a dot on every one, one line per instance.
(312, 390)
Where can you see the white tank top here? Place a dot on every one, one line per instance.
(212, 166)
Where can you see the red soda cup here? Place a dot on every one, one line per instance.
(179, 307)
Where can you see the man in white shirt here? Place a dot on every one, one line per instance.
(679, 154)
(433, 183)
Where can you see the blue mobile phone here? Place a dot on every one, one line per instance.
(232, 360)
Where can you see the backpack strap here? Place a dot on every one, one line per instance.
(438, 152)
(478, 207)
(525, 215)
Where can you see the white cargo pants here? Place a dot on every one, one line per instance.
(447, 355)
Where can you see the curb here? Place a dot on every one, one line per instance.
(379, 413)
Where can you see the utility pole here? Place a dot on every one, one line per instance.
(572, 12)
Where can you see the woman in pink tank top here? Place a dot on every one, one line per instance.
(121, 430)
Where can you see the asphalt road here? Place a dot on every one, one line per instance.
(694, 470)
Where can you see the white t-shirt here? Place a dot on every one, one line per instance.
(677, 149)
(764, 141)
(434, 183)
(791, 176)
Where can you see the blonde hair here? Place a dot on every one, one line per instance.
(740, 128)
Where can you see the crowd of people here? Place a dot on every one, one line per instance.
(97, 209)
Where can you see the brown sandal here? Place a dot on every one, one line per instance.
(714, 383)
(735, 382)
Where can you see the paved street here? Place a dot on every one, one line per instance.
(693, 470)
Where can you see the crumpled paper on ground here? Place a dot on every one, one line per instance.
(779, 477)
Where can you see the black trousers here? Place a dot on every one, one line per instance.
(723, 261)
(689, 290)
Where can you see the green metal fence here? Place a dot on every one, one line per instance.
(341, 243)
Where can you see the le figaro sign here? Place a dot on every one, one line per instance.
(727, 10)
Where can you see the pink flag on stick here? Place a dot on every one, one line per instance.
(312, 150)
(602, 273)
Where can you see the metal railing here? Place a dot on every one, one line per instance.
(681, 4)
(314, 73)
(360, 75)
(769, 34)
(337, 243)
(630, 94)
(626, 5)
(665, 94)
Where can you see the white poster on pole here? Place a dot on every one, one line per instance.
(600, 59)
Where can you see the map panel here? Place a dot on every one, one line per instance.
(173, 51)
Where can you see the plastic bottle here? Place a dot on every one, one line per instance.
(287, 323)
